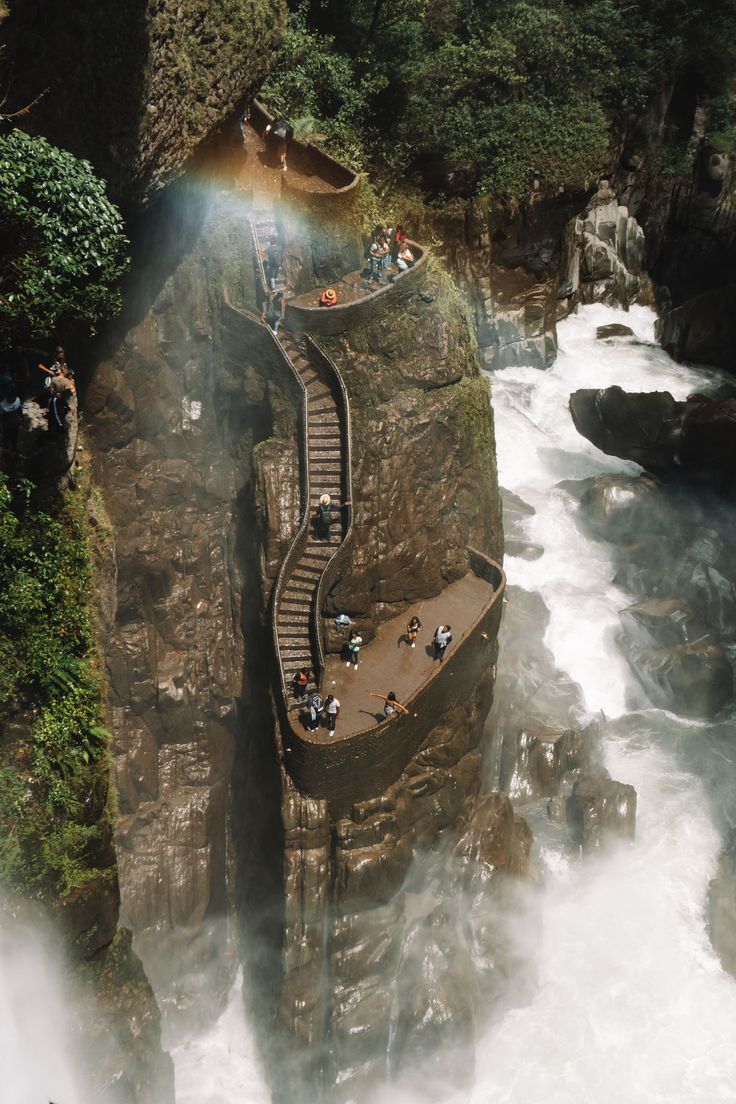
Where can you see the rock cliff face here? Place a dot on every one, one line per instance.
(154, 80)
(177, 402)
(423, 452)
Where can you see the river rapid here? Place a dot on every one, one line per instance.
(632, 1004)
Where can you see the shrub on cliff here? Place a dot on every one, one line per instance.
(62, 246)
(54, 834)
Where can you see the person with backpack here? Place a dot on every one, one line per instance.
(332, 709)
(412, 631)
(58, 407)
(354, 644)
(442, 637)
(316, 705)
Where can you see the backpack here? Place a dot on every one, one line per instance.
(325, 514)
(316, 703)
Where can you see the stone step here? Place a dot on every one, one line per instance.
(325, 437)
(326, 420)
(300, 640)
(328, 488)
(319, 390)
(289, 630)
(324, 404)
(295, 592)
(302, 588)
(288, 605)
(324, 462)
(307, 574)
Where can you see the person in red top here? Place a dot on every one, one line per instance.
(398, 240)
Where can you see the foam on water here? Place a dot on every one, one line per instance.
(632, 1004)
(221, 1066)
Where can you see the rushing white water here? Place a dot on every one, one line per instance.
(632, 1004)
(221, 1065)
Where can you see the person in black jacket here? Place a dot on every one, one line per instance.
(58, 409)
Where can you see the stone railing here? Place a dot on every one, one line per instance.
(309, 160)
(261, 282)
(346, 770)
(331, 567)
(268, 344)
(333, 320)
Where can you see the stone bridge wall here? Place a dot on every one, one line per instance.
(343, 316)
(363, 765)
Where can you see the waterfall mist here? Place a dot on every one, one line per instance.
(39, 1055)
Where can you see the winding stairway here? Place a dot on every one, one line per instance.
(296, 613)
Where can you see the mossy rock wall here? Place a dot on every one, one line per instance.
(136, 87)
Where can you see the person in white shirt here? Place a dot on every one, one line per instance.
(332, 708)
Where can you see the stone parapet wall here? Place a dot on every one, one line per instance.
(343, 316)
(361, 766)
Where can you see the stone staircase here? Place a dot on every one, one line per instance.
(326, 449)
(296, 609)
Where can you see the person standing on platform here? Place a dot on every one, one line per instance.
(332, 709)
(442, 637)
(412, 631)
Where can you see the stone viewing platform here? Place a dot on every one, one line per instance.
(388, 663)
(366, 754)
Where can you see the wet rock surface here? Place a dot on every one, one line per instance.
(691, 440)
(179, 397)
(722, 908)
(674, 551)
(675, 658)
(515, 514)
(541, 730)
(599, 808)
(603, 258)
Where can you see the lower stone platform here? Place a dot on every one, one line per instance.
(388, 663)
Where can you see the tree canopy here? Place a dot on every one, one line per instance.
(509, 86)
(62, 246)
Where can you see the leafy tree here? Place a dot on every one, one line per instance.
(507, 87)
(62, 246)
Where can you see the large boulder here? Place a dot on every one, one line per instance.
(703, 328)
(692, 440)
(617, 506)
(675, 658)
(600, 808)
(639, 427)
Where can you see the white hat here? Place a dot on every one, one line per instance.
(324, 499)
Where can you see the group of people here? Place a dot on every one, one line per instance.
(389, 248)
(329, 708)
(54, 394)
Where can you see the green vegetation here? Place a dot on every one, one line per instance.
(62, 246)
(54, 762)
(502, 89)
